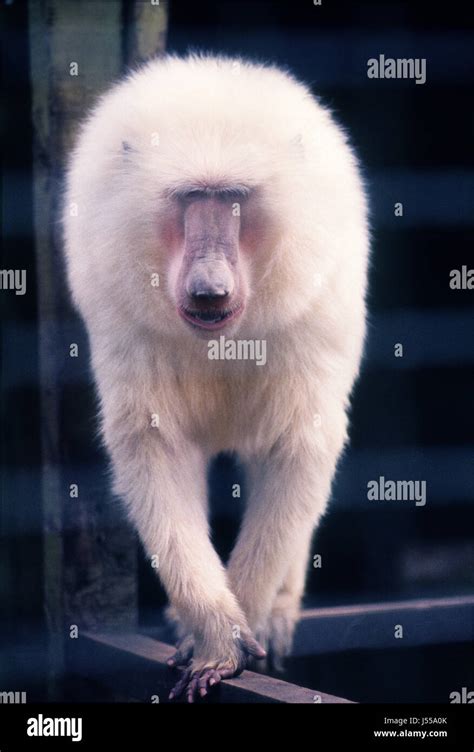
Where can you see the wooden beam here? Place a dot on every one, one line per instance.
(132, 667)
(369, 626)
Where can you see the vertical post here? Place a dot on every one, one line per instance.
(146, 24)
(78, 49)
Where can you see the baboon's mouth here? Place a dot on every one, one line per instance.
(211, 318)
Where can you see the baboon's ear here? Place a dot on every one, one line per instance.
(297, 146)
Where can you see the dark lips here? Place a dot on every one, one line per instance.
(210, 320)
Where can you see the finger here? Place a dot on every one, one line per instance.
(215, 678)
(228, 673)
(204, 682)
(179, 659)
(192, 689)
(207, 680)
(180, 686)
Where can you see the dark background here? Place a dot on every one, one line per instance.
(412, 417)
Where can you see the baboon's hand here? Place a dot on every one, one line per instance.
(202, 674)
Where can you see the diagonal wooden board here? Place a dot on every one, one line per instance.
(132, 666)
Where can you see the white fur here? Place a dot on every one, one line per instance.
(221, 121)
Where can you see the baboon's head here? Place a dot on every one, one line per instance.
(212, 197)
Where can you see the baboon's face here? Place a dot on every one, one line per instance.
(212, 236)
(210, 287)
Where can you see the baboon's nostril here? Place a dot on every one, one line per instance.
(209, 294)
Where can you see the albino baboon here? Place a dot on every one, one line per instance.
(214, 204)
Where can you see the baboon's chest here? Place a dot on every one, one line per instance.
(227, 411)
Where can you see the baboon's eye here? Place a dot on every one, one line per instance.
(237, 193)
(226, 193)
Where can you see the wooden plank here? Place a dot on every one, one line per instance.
(132, 667)
(370, 626)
